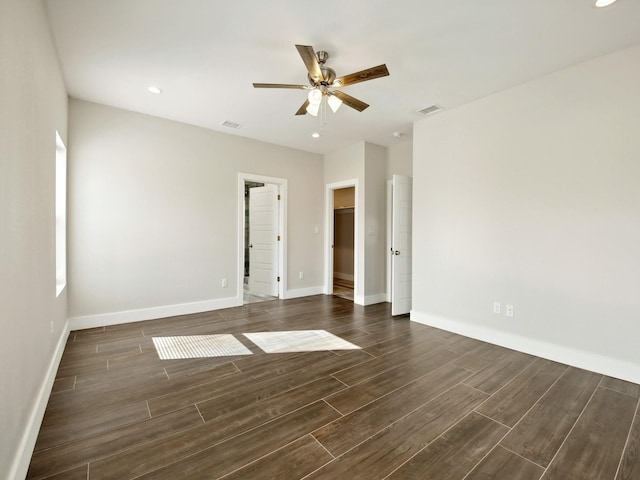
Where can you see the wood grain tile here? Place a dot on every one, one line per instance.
(408, 406)
(381, 454)
(278, 397)
(386, 346)
(456, 452)
(114, 393)
(501, 464)
(481, 357)
(594, 447)
(86, 450)
(70, 367)
(629, 468)
(306, 370)
(378, 365)
(514, 400)
(56, 431)
(497, 374)
(78, 473)
(350, 430)
(295, 460)
(63, 384)
(540, 433)
(238, 451)
(621, 386)
(462, 345)
(170, 448)
(368, 390)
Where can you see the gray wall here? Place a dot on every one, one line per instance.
(531, 197)
(375, 170)
(365, 163)
(33, 105)
(400, 159)
(154, 214)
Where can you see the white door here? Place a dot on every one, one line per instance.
(263, 240)
(401, 245)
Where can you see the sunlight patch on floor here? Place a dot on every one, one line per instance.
(299, 341)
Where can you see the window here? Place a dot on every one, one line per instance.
(61, 215)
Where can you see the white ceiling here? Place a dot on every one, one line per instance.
(205, 55)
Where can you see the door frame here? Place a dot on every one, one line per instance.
(389, 263)
(282, 229)
(329, 228)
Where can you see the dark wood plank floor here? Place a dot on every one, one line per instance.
(414, 403)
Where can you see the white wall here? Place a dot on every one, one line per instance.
(33, 105)
(375, 170)
(365, 163)
(531, 197)
(153, 214)
(343, 165)
(400, 159)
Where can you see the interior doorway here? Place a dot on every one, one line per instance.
(342, 275)
(343, 242)
(261, 220)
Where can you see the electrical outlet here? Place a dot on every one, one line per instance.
(301, 275)
(509, 310)
(224, 283)
(496, 308)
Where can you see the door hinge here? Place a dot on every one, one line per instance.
(278, 237)
(278, 196)
(278, 278)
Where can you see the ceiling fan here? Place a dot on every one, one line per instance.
(322, 79)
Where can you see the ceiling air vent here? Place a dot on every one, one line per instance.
(229, 124)
(429, 110)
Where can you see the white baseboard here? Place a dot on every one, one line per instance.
(343, 276)
(28, 441)
(116, 318)
(370, 299)
(304, 292)
(373, 299)
(577, 358)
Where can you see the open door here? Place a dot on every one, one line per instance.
(263, 240)
(401, 245)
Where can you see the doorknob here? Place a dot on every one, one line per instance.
(251, 245)
(397, 252)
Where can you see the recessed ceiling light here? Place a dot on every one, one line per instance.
(156, 90)
(604, 3)
(315, 135)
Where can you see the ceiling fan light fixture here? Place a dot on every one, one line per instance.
(313, 109)
(334, 103)
(315, 96)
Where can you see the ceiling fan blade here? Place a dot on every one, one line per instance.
(311, 62)
(279, 85)
(350, 101)
(362, 76)
(303, 109)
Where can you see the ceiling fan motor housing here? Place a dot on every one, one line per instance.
(328, 74)
(329, 77)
